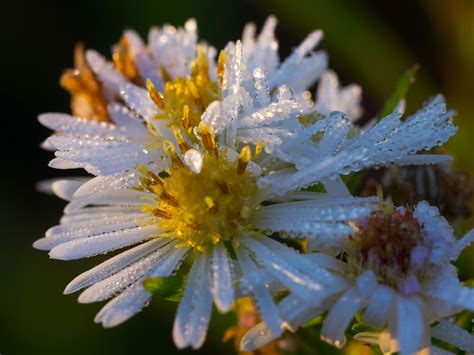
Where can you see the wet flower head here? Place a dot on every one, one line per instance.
(388, 244)
(204, 202)
(203, 158)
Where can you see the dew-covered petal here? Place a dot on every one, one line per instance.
(194, 311)
(378, 307)
(84, 229)
(222, 288)
(124, 306)
(113, 265)
(103, 243)
(411, 328)
(255, 283)
(341, 314)
(450, 333)
(133, 273)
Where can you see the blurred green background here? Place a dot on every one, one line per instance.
(369, 42)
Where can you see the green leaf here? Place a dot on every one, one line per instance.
(400, 92)
(315, 322)
(170, 288)
(465, 320)
(361, 327)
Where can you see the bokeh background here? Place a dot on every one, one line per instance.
(369, 42)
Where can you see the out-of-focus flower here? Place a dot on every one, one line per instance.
(398, 271)
(451, 190)
(88, 97)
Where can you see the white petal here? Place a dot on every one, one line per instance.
(113, 265)
(192, 318)
(255, 283)
(258, 336)
(81, 248)
(313, 287)
(452, 334)
(138, 100)
(97, 184)
(462, 244)
(105, 70)
(62, 164)
(411, 328)
(90, 227)
(377, 311)
(222, 288)
(123, 307)
(114, 284)
(107, 197)
(341, 314)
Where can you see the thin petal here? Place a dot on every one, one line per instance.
(222, 289)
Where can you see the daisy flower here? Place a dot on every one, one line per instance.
(199, 162)
(207, 207)
(399, 275)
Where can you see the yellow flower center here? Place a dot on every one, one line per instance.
(203, 208)
(185, 99)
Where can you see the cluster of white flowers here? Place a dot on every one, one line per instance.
(201, 158)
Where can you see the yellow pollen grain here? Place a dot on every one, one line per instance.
(258, 149)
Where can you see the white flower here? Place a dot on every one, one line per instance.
(398, 272)
(209, 202)
(207, 159)
(199, 211)
(329, 97)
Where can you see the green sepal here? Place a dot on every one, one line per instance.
(170, 288)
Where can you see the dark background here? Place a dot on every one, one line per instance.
(369, 42)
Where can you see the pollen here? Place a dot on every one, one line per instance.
(185, 99)
(205, 208)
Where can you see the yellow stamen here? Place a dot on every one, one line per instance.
(200, 208)
(155, 96)
(183, 146)
(211, 205)
(162, 214)
(258, 149)
(123, 60)
(185, 99)
(221, 66)
(166, 197)
(244, 158)
(208, 139)
(165, 75)
(168, 147)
